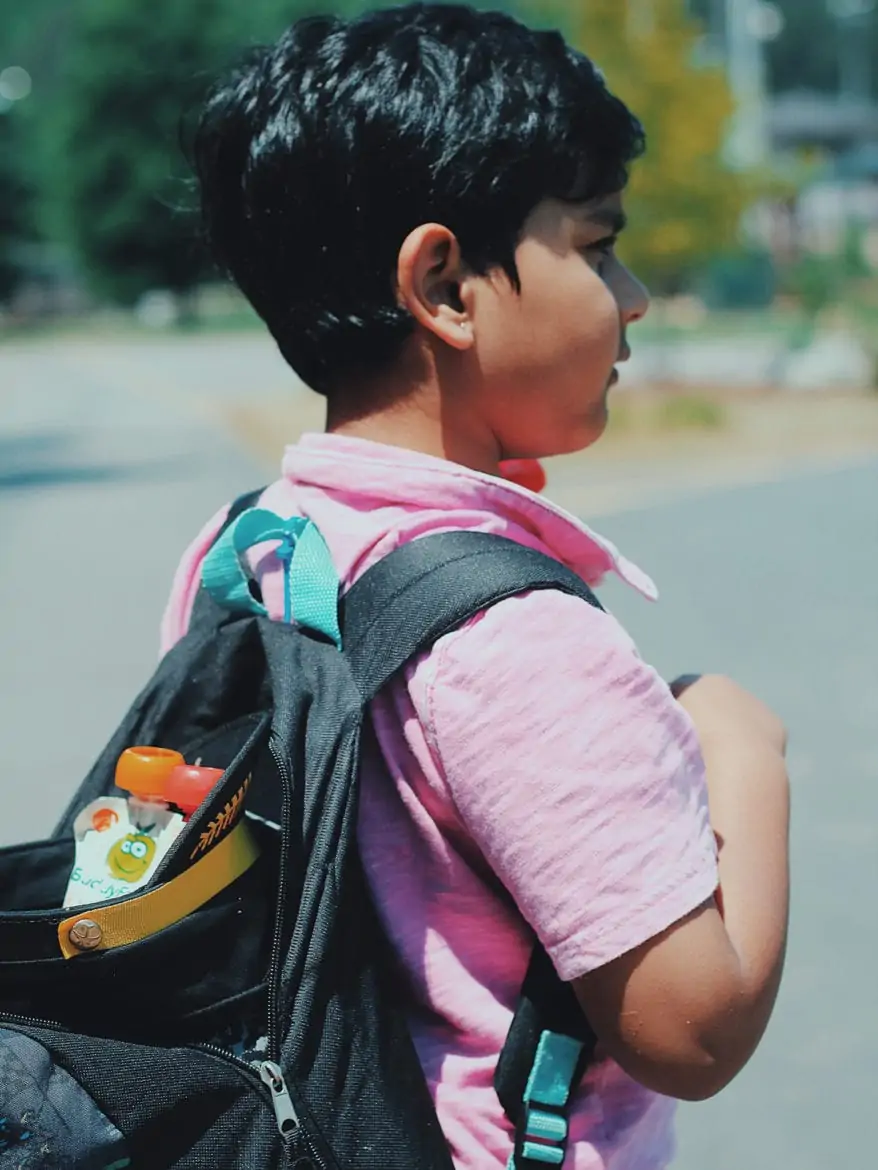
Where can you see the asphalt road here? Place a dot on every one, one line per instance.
(108, 469)
(111, 459)
(777, 585)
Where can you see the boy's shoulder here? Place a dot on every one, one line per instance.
(366, 505)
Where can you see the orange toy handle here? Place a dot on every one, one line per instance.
(144, 771)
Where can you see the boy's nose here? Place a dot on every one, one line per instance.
(633, 296)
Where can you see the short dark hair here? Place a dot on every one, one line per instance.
(319, 154)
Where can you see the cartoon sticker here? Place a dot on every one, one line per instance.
(130, 858)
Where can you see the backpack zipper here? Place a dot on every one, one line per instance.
(269, 1076)
(282, 884)
(269, 1072)
(265, 1075)
(282, 1103)
(30, 1022)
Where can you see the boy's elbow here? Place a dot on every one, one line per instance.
(690, 1051)
(690, 1080)
(677, 1013)
(705, 1084)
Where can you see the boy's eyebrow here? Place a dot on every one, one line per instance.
(609, 217)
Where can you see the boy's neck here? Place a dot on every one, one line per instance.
(417, 417)
(416, 430)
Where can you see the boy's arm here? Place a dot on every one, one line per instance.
(684, 1012)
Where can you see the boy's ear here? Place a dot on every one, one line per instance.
(429, 277)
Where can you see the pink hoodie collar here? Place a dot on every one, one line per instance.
(395, 475)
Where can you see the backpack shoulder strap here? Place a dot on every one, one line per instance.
(400, 607)
(429, 587)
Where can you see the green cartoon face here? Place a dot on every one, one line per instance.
(130, 858)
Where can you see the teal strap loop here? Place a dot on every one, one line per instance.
(548, 1127)
(554, 1069)
(315, 585)
(542, 1136)
(548, 1155)
(311, 584)
(223, 576)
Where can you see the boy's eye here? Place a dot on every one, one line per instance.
(598, 253)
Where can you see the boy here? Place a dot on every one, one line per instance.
(423, 205)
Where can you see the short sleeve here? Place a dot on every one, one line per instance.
(576, 773)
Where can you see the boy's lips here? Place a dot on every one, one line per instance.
(624, 355)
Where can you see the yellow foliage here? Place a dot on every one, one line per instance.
(684, 204)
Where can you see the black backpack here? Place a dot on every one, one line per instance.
(130, 1031)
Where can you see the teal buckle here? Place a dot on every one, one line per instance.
(541, 1139)
(311, 585)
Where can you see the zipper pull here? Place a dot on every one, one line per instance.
(284, 1110)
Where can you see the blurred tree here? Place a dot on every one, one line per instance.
(15, 204)
(131, 71)
(21, 26)
(808, 53)
(684, 204)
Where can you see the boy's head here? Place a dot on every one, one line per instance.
(427, 197)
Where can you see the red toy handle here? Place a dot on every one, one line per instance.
(190, 784)
(527, 473)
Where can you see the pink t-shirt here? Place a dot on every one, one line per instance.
(533, 746)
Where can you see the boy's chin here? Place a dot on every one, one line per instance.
(593, 428)
(574, 444)
(580, 434)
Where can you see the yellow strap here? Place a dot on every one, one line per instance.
(107, 927)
